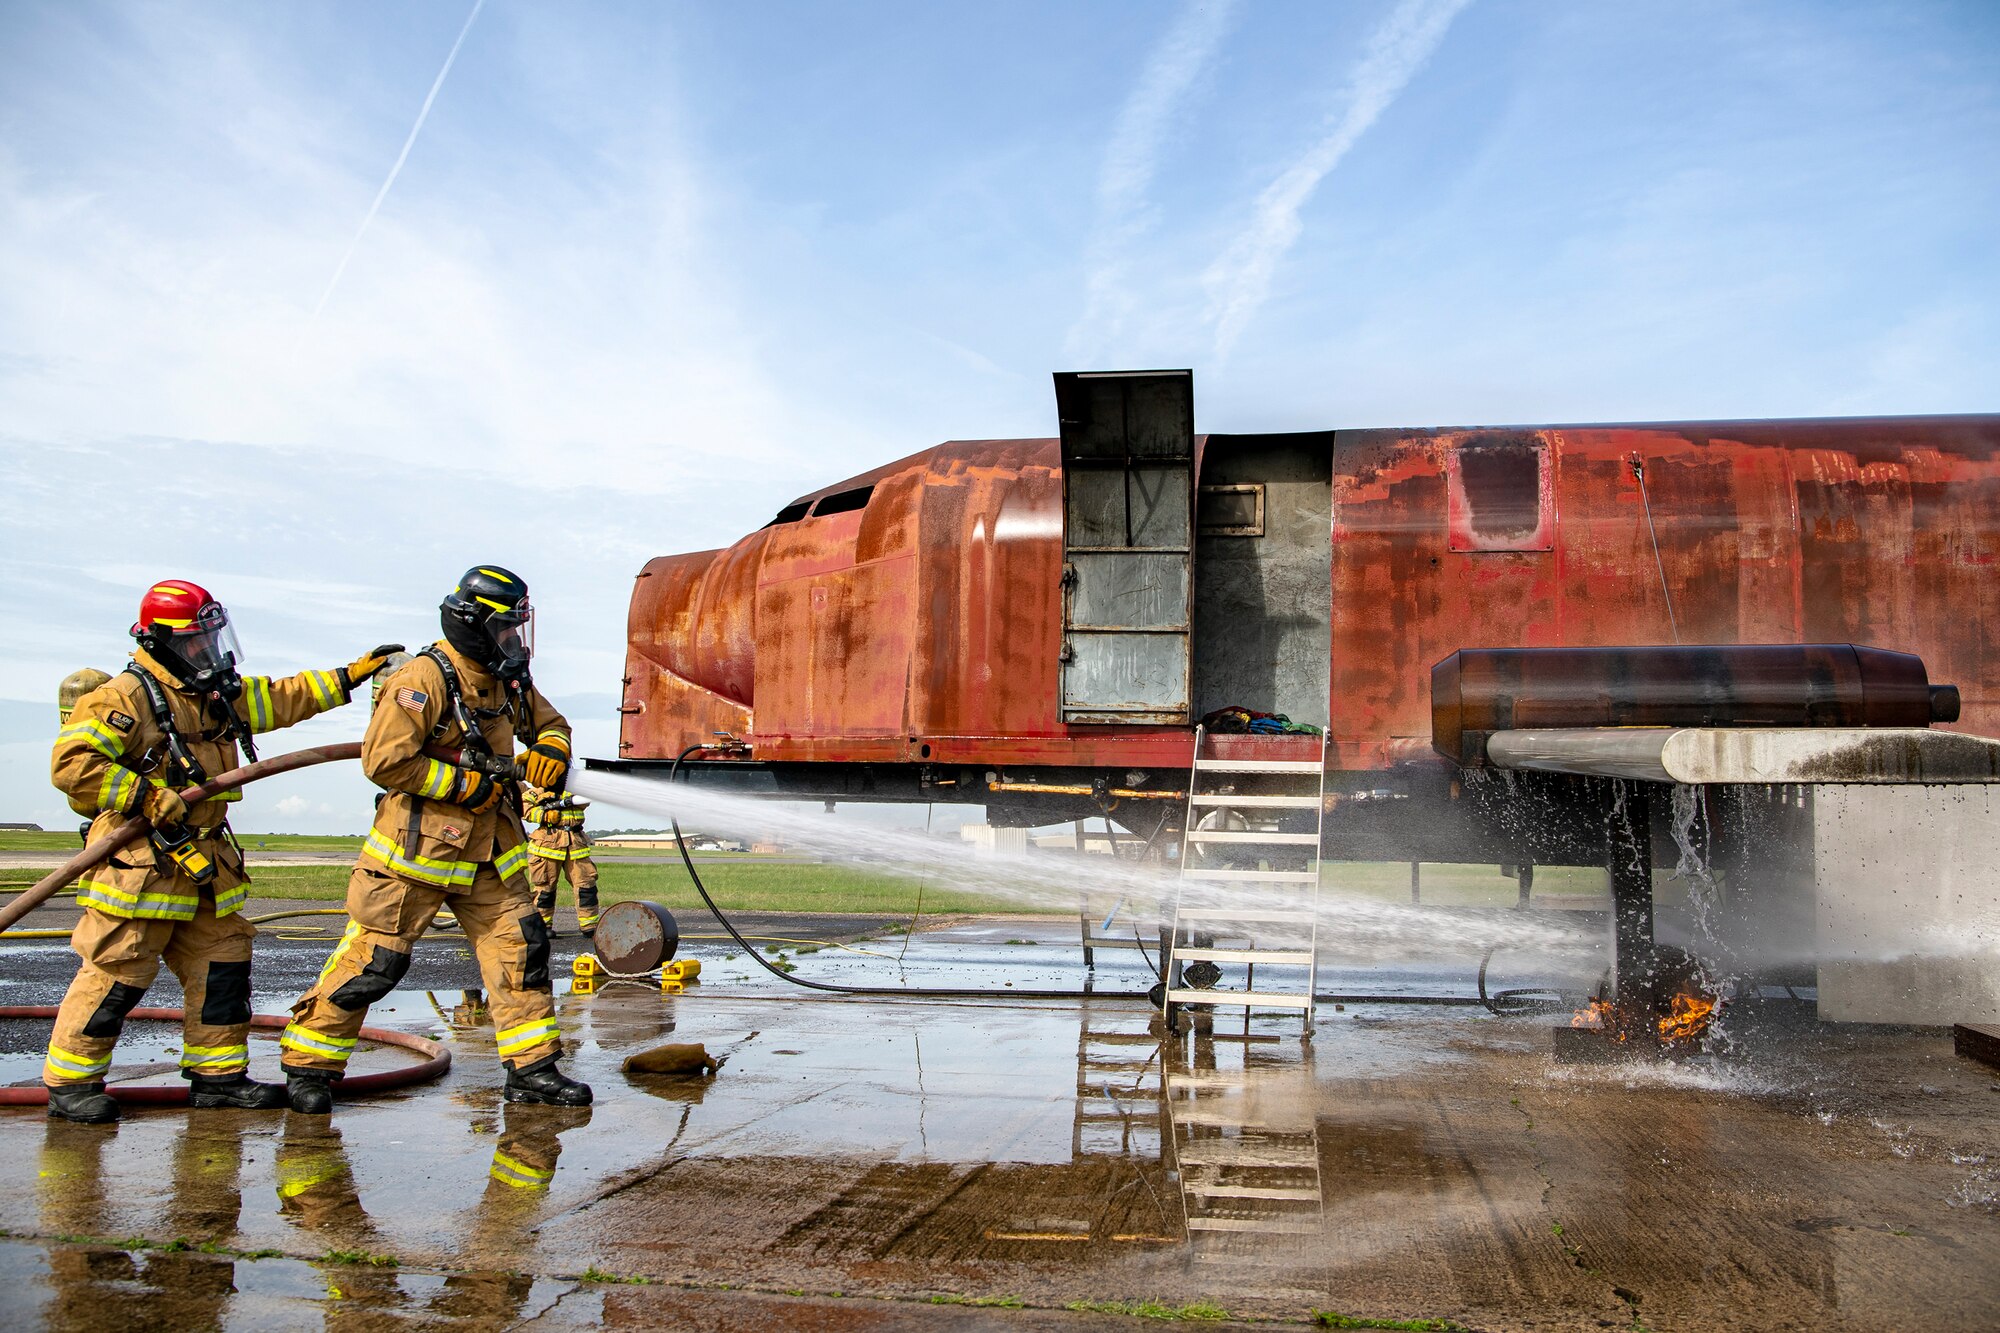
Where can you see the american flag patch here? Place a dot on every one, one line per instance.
(414, 700)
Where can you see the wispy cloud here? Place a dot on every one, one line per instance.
(423, 114)
(1240, 280)
(1131, 159)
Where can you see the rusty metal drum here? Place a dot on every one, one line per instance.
(636, 936)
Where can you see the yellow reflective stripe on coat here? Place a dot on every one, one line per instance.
(230, 901)
(296, 1177)
(547, 853)
(300, 1038)
(117, 789)
(439, 780)
(257, 703)
(73, 1066)
(114, 901)
(510, 1171)
(325, 687)
(215, 1057)
(446, 874)
(527, 1036)
(94, 734)
(512, 861)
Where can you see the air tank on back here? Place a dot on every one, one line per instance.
(1478, 691)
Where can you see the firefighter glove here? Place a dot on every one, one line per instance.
(476, 792)
(163, 805)
(548, 817)
(365, 666)
(546, 762)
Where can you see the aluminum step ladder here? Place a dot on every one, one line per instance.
(1253, 833)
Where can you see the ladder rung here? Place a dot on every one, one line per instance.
(1277, 1226)
(1243, 1154)
(1312, 766)
(1255, 802)
(1189, 1114)
(1235, 914)
(1273, 957)
(1247, 998)
(1251, 1192)
(1262, 876)
(1248, 835)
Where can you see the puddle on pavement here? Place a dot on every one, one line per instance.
(1061, 1148)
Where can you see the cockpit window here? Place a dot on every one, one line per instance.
(841, 502)
(791, 513)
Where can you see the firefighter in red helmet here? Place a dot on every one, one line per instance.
(175, 717)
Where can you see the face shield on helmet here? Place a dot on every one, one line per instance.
(209, 645)
(513, 632)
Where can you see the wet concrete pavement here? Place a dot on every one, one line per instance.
(862, 1163)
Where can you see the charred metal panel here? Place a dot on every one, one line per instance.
(1128, 550)
(1877, 532)
(1263, 587)
(1502, 492)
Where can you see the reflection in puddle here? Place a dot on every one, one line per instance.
(1243, 1139)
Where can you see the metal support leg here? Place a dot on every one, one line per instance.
(1635, 970)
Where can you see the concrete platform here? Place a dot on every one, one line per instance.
(868, 1163)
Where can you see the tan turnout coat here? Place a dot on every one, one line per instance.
(420, 834)
(113, 746)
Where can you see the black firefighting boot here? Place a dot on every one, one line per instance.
(541, 1083)
(236, 1092)
(85, 1103)
(310, 1091)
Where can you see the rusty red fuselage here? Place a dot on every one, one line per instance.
(924, 627)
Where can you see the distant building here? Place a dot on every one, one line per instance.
(989, 841)
(22, 828)
(638, 841)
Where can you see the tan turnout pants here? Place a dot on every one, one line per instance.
(386, 915)
(121, 956)
(545, 873)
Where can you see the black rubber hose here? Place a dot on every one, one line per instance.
(975, 992)
(1506, 1003)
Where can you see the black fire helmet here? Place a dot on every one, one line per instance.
(487, 617)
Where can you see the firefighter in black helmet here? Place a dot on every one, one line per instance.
(449, 835)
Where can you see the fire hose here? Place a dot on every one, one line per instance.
(100, 851)
(436, 1061)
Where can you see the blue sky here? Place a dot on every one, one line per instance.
(649, 271)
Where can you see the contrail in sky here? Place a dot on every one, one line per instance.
(1131, 158)
(1240, 280)
(423, 114)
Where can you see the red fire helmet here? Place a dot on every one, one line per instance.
(175, 605)
(188, 629)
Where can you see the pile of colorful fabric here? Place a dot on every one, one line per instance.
(1236, 720)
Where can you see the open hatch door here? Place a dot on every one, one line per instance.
(1128, 551)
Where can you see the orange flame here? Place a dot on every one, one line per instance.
(1599, 1015)
(1687, 1020)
